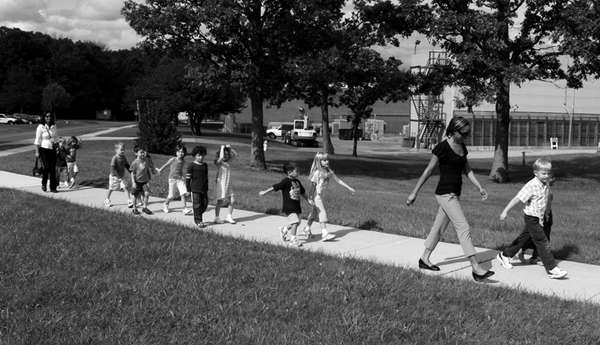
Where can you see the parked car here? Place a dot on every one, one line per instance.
(8, 119)
(26, 118)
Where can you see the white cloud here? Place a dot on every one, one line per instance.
(80, 20)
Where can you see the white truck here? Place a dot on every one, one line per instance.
(302, 134)
(278, 129)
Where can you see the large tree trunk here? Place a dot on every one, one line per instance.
(499, 171)
(355, 137)
(257, 155)
(327, 145)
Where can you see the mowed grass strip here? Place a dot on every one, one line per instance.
(382, 186)
(77, 275)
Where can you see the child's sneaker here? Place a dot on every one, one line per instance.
(136, 212)
(307, 233)
(129, 204)
(201, 225)
(107, 203)
(146, 210)
(165, 208)
(504, 261)
(294, 242)
(521, 256)
(534, 260)
(556, 273)
(187, 211)
(230, 220)
(218, 220)
(325, 236)
(283, 232)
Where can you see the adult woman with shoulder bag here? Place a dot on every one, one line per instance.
(45, 135)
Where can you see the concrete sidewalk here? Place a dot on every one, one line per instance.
(582, 283)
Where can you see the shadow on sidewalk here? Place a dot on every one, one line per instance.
(483, 258)
(250, 218)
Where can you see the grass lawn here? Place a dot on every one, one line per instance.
(106, 278)
(382, 187)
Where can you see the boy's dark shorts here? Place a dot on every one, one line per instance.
(140, 188)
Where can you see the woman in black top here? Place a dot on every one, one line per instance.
(451, 156)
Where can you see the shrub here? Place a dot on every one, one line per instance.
(157, 130)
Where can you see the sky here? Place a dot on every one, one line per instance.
(98, 21)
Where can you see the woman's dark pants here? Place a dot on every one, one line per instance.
(48, 158)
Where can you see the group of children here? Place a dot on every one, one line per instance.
(66, 162)
(191, 180)
(184, 180)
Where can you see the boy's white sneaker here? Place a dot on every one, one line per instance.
(504, 261)
(107, 203)
(165, 208)
(187, 211)
(283, 232)
(230, 220)
(306, 232)
(294, 242)
(521, 256)
(556, 273)
(327, 237)
(218, 220)
(129, 204)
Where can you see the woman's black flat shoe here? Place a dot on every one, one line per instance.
(425, 266)
(484, 276)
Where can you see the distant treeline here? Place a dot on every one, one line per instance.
(95, 78)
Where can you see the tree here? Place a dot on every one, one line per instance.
(180, 86)
(497, 43)
(252, 39)
(316, 76)
(368, 79)
(20, 91)
(55, 97)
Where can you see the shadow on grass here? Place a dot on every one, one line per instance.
(400, 168)
(585, 166)
(370, 224)
(565, 252)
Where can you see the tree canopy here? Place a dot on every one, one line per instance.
(253, 39)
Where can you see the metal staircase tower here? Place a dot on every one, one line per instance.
(430, 117)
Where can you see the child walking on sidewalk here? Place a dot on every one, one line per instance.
(116, 177)
(320, 173)
(291, 191)
(534, 195)
(176, 179)
(73, 145)
(224, 193)
(142, 170)
(196, 180)
(62, 175)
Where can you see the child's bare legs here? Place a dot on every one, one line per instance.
(229, 218)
